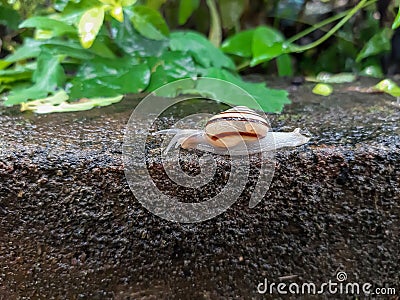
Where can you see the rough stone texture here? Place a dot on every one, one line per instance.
(71, 229)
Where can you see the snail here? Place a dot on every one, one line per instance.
(236, 131)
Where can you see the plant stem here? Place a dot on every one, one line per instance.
(335, 28)
(323, 23)
(243, 65)
(215, 34)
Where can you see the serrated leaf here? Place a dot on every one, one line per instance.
(186, 9)
(149, 23)
(89, 26)
(46, 23)
(379, 43)
(200, 48)
(240, 44)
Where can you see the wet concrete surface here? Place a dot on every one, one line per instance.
(70, 227)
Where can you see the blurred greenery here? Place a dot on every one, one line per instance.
(102, 49)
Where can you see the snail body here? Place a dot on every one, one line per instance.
(236, 131)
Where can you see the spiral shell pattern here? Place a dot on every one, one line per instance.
(234, 125)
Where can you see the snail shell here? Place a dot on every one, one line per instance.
(236, 131)
(235, 125)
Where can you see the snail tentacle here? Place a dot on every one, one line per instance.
(180, 136)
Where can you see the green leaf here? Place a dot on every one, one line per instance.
(89, 26)
(284, 64)
(170, 67)
(270, 100)
(46, 23)
(47, 77)
(268, 43)
(388, 86)
(103, 77)
(109, 2)
(203, 52)
(3, 88)
(149, 23)
(4, 64)
(128, 2)
(396, 22)
(186, 9)
(9, 17)
(101, 48)
(132, 43)
(18, 73)
(61, 4)
(322, 89)
(117, 13)
(30, 49)
(379, 43)
(177, 88)
(75, 9)
(372, 71)
(70, 49)
(155, 4)
(240, 44)
(231, 11)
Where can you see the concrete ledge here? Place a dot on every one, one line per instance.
(70, 228)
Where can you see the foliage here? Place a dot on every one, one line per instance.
(106, 48)
(355, 41)
(101, 49)
(262, 44)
